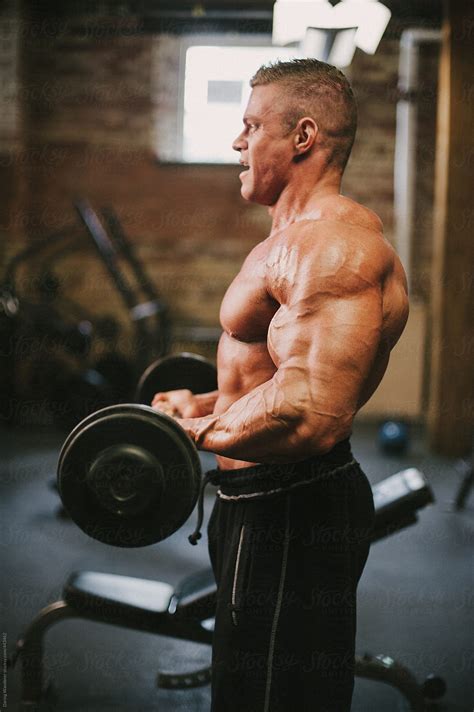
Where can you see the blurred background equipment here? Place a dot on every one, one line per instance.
(58, 360)
(393, 437)
(150, 317)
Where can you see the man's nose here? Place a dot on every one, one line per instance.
(239, 143)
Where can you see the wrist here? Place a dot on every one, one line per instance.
(197, 429)
(204, 403)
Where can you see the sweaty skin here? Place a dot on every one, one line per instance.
(309, 321)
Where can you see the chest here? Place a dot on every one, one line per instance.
(247, 307)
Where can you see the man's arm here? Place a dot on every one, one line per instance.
(205, 402)
(323, 340)
(184, 403)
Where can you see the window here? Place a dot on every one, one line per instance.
(216, 91)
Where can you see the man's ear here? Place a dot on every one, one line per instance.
(305, 135)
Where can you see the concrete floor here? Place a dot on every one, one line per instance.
(415, 597)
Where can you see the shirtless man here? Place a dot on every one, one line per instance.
(308, 325)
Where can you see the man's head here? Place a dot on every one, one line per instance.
(298, 111)
(319, 90)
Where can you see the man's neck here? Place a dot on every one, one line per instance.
(303, 202)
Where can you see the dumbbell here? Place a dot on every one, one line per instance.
(128, 475)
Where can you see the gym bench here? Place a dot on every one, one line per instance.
(187, 611)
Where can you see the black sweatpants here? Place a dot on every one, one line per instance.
(288, 544)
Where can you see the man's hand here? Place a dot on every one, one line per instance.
(179, 404)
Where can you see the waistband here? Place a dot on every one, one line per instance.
(265, 480)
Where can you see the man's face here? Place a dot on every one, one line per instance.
(265, 146)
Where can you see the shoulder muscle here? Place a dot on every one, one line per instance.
(323, 259)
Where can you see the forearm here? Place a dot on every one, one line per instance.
(206, 402)
(272, 423)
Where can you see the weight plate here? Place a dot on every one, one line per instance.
(129, 476)
(80, 426)
(190, 371)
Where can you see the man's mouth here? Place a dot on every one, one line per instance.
(245, 167)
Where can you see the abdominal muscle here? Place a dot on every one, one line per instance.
(242, 366)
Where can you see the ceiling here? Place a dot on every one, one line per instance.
(205, 11)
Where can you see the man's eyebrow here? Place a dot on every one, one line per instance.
(248, 118)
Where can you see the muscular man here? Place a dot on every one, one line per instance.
(308, 325)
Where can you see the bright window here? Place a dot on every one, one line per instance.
(216, 92)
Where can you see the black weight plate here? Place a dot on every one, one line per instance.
(123, 408)
(79, 427)
(138, 429)
(191, 371)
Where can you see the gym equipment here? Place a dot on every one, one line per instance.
(8, 308)
(187, 611)
(150, 339)
(115, 375)
(80, 393)
(51, 337)
(393, 437)
(79, 381)
(108, 380)
(185, 370)
(40, 317)
(465, 468)
(128, 475)
(45, 335)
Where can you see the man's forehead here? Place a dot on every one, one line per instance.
(262, 101)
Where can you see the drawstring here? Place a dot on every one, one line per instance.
(210, 476)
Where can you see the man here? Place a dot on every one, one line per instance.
(308, 325)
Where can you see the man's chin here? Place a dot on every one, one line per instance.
(252, 197)
(245, 193)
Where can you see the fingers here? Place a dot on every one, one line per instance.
(166, 408)
(162, 403)
(162, 398)
(176, 403)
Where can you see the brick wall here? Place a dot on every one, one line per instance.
(369, 174)
(10, 130)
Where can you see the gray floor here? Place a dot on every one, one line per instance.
(415, 603)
